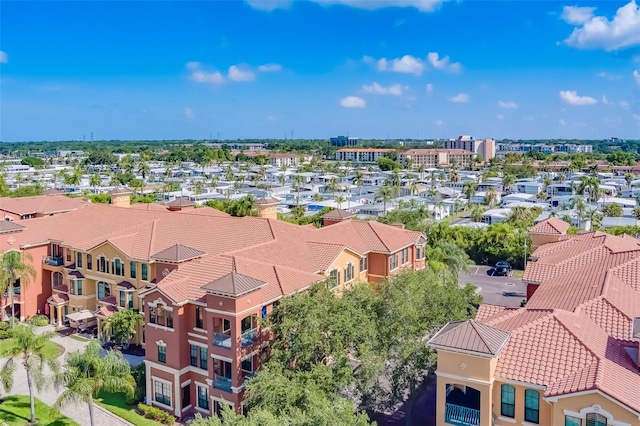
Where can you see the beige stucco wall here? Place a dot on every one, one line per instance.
(579, 402)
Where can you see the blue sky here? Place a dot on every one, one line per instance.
(263, 69)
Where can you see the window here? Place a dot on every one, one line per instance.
(532, 406)
(104, 290)
(79, 287)
(162, 354)
(203, 397)
(186, 396)
(572, 421)
(132, 269)
(118, 268)
(131, 302)
(402, 260)
(393, 261)
(595, 419)
(68, 255)
(72, 287)
(263, 312)
(508, 401)
(152, 315)
(161, 316)
(194, 355)
(199, 318)
(334, 278)
(364, 264)
(89, 262)
(418, 252)
(79, 260)
(203, 358)
(123, 299)
(162, 393)
(247, 365)
(145, 272)
(349, 272)
(102, 264)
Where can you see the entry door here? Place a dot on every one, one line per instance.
(186, 396)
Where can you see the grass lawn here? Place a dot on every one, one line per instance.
(78, 338)
(517, 274)
(116, 404)
(15, 411)
(53, 348)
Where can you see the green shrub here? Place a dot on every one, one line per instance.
(139, 374)
(5, 334)
(156, 414)
(39, 320)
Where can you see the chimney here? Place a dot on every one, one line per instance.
(120, 197)
(398, 225)
(268, 208)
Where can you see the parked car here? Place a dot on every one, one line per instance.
(502, 268)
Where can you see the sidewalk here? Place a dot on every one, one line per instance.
(80, 412)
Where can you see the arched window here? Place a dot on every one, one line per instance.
(349, 272)
(508, 401)
(595, 419)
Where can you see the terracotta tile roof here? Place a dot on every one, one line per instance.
(58, 298)
(233, 284)
(338, 214)
(325, 254)
(52, 191)
(41, 204)
(180, 202)
(266, 201)
(550, 226)
(126, 285)
(471, 336)
(177, 253)
(106, 311)
(573, 333)
(8, 226)
(76, 274)
(111, 300)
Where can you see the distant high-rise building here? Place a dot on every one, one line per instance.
(485, 148)
(344, 141)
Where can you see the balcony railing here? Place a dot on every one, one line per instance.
(462, 416)
(222, 340)
(222, 383)
(54, 260)
(249, 336)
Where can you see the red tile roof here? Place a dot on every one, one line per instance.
(573, 332)
(471, 336)
(552, 226)
(41, 204)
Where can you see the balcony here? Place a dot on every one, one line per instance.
(462, 416)
(249, 337)
(222, 340)
(54, 260)
(222, 383)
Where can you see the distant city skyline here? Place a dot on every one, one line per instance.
(313, 69)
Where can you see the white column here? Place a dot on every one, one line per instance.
(177, 405)
(148, 379)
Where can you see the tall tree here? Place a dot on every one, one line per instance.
(384, 194)
(89, 372)
(122, 325)
(34, 353)
(17, 268)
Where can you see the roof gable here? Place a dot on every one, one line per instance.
(471, 336)
(233, 284)
(177, 253)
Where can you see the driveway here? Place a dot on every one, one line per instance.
(79, 412)
(503, 291)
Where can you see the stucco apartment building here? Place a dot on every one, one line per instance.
(362, 155)
(485, 148)
(437, 158)
(201, 278)
(38, 206)
(568, 358)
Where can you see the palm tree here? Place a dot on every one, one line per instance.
(89, 372)
(33, 351)
(434, 179)
(447, 256)
(384, 194)
(477, 212)
(469, 189)
(629, 177)
(421, 168)
(16, 268)
(95, 180)
(214, 182)
(580, 207)
(491, 197)
(298, 212)
(317, 197)
(143, 169)
(507, 181)
(339, 200)
(454, 177)
(332, 185)
(413, 187)
(122, 325)
(358, 181)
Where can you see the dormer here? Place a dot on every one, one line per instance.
(170, 258)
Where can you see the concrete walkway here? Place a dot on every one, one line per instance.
(80, 412)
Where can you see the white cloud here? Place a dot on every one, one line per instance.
(429, 88)
(507, 104)
(269, 5)
(460, 98)
(439, 123)
(377, 89)
(444, 63)
(636, 116)
(608, 76)
(421, 5)
(636, 75)
(571, 97)
(3, 57)
(598, 32)
(577, 15)
(406, 64)
(270, 68)
(188, 113)
(500, 117)
(368, 59)
(207, 77)
(271, 118)
(562, 122)
(353, 102)
(237, 74)
(624, 105)
(605, 100)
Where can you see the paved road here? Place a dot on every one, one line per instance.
(504, 291)
(78, 413)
